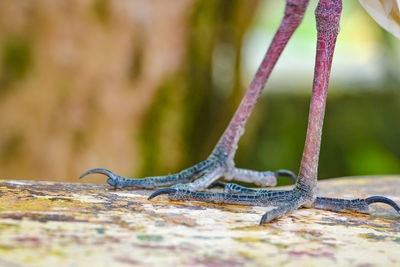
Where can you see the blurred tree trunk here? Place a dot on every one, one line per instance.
(125, 85)
(194, 105)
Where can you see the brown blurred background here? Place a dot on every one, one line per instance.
(146, 87)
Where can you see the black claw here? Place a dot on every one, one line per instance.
(161, 192)
(379, 199)
(263, 219)
(286, 173)
(98, 170)
(217, 184)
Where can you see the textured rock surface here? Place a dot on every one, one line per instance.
(47, 224)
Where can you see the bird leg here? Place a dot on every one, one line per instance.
(237, 194)
(220, 163)
(303, 194)
(327, 16)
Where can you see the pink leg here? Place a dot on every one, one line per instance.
(228, 142)
(327, 16)
(220, 163)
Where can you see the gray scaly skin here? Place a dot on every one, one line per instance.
(220, 163)
(240, 195)
(213, 168)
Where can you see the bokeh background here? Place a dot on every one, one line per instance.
(146, 87)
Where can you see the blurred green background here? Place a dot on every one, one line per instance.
(147, 87)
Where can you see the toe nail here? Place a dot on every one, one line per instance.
(161, 192)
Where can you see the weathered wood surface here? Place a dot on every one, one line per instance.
(50, 224)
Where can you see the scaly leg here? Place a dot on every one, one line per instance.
(264, 197)
(303, 194)
(266, 178)
(220, 163)
(327, 16)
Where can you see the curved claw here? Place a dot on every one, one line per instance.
(161, 192)
(262, 220)
(101, 171)
(112, 177)
(286, 173)
(379, 199)
(281, 210)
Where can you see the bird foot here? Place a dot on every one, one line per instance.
(197, 177)
(285, 201)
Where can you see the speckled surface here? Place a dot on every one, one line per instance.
(49, 224)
